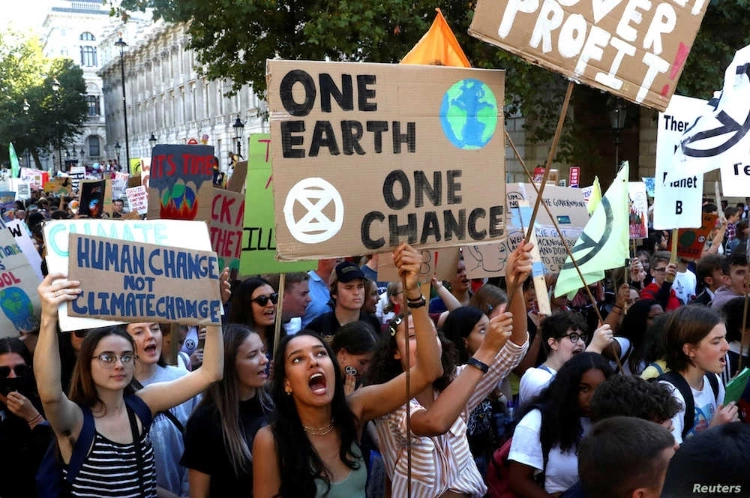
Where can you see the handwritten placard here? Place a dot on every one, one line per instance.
(227, 217)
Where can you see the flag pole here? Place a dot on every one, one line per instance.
(565, 244)
(550, 157)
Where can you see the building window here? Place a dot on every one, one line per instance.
(87, 37)
(93, 146)
(88, 56)
(93, 103)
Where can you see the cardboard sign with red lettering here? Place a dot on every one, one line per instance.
(690, 241)
(227, 217)
(180, 182)
(138, 199)
(634, 49)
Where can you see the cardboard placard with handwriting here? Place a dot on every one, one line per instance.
(137, 282)
(636, 50)
(180, 183)
(366, 156)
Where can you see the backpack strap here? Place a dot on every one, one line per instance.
(657, 367)
(137, 444)
(82, 445)
(714, 385)
(143, 416)
(141, 409)
(679, 382)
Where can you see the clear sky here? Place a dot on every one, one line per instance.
(23, 14)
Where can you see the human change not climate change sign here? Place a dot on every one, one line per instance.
(137, 282)
(632, 48)
(366, 156)
(167, 233)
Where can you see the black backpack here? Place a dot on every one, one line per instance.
(679, 382)
(51, 482)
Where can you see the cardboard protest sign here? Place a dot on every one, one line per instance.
(137, 199)
(690, 241)
(62, 186)
(7, 205)
(405, 153)
(22, 188)
(137, 282)
(92, 198)
(237, 181)
(169, 233)
(19, 301)
(637, 220)
(226, 227)
(119, 184)
(136, 166)
(180, 182)
(22, 236)
(636, 50)
(108, 197)
(258, 238)
(440, 264)
(677, 203)
(567, 205)
(145, 175)
(35, 177)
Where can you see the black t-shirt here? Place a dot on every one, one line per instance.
(21, 452)
(206, 452)
(328, 324)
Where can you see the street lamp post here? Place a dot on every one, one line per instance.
(239, 127)
(26, 108)
(120, 43)
(152, 141)
(617, 116)
(56, 90)
(118, 148)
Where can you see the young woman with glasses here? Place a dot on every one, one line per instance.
(564, 335)
(254, 304)
(116, 464)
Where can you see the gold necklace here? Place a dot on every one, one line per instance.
(318, 431)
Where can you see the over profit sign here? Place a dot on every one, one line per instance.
(366, 156)
(632, 48)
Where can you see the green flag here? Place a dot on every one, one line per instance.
(596, 196)
(603, 243)
(15, 168)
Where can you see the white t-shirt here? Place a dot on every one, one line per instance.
(532, 383)
(705, 407)
(684, 286)
(562, 468)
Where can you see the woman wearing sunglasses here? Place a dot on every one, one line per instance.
(120, 461)
(254, 304)
(23, 437)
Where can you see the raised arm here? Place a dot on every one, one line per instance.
(64, 416)
(376, 400)
(164, 395)
(444, 412)
(517, 270)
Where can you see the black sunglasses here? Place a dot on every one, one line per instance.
(20, 371)
(263, 300)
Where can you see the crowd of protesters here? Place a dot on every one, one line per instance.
(500, 401)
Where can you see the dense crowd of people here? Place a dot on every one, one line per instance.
(374, 389)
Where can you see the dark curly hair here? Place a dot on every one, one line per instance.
(457, 327)
(558, 325)
(634, 328)
(558, 402)
(384, 367)
(299, 463)
(733, 311)
(631, 396)
(656, 348)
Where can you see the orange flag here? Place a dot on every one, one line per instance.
(438, 47)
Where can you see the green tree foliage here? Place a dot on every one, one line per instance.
(34, 116)
(233, 39)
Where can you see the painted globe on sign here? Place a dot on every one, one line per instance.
(178, 203)
(468, 114)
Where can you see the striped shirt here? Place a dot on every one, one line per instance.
(111, 470)
(441, 463)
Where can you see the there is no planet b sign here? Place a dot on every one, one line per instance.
(366, 156)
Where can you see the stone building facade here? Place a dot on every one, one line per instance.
(166, 96)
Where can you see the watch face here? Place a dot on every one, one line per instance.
(350, 370)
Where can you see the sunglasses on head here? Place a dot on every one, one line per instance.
(20, 371)
(263, 300)
(81, 334)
